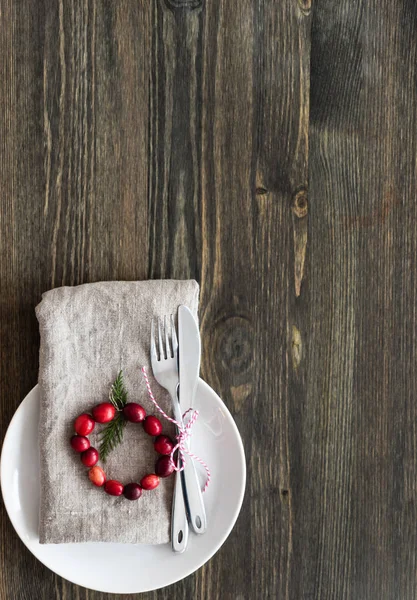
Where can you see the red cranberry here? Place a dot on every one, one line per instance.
(164, 466)
(132, 491)
(113, 487)
(134, 413)
(149, 482)
(97, 476)
(84, 424)
(104, 412)
(89, 458)
(152, 425)
(79, 443)
(163, 444)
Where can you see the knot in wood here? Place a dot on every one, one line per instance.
(296, 347)
(236, 342)
(300, 203)
(186, 4)
(305, 6)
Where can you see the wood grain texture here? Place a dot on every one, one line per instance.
(358, 483)
(267, 149)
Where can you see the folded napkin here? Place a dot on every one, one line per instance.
(88, 334)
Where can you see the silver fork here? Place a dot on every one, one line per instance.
(165, 371)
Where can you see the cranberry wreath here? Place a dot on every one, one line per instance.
(115, 415)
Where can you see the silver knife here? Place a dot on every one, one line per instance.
(189, 369)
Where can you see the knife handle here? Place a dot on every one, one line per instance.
(191, 484)
(179, 523)
(194, 497)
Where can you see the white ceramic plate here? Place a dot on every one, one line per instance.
(127, 568)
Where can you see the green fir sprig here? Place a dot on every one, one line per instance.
(118, 393)
(112, 435)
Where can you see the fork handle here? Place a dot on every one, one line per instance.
(179, 523)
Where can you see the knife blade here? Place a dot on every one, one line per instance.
(189, 347)
(189, 356)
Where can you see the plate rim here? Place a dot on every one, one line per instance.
(242, 457)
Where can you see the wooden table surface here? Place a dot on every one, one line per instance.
(266, 148)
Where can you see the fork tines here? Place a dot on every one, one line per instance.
(159, 350)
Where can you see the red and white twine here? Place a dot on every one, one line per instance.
(184, 434)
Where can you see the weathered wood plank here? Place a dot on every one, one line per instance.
(357, 505)
(21, 182)
(281, 183)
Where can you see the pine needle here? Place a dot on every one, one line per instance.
(118, 393)
(112, 435)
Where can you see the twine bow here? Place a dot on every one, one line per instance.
(184, 434)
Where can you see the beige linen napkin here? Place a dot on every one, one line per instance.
(88, 334)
